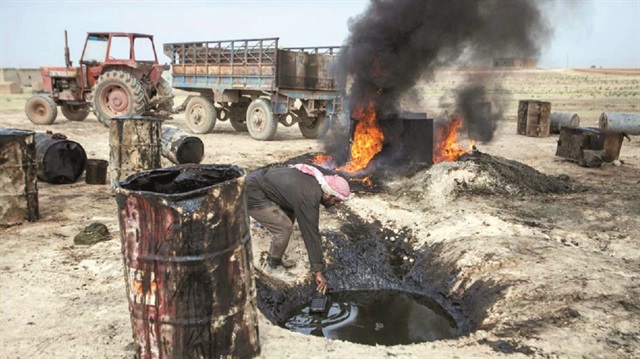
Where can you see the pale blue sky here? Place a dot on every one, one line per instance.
(587, 32)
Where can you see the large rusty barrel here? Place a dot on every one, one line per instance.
(134, 145)
(188, 262)
(179, 147)
(59, 159)
(534, 118)
(18, 178)
(628, 123)
(563, 119)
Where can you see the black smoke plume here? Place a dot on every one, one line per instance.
(395, 44)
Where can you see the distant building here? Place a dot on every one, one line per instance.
(517, 62)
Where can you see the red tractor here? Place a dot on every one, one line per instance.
(119, 75)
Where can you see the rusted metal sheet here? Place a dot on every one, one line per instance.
(179, 147)
(563, 119)
(134, 145)
(579, 143)
(188, 262)
(59, 159)
(18, 178)
(628, 123)
(534, 118)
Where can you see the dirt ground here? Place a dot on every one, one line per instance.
(558, 274)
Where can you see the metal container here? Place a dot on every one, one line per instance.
(59, 160)
(18, 179)
(96, 171)
(188, 262)
(534, 118)
(563, 119)
(134, 145)
(179, 147)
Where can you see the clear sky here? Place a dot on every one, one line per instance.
(586, 32)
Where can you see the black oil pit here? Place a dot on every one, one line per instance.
(375, 318)
(385, 289)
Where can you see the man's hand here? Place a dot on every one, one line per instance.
(322, 283)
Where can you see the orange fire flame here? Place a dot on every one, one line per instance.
(367, 139)
(322, 160)
(366, 181)
(447, 147)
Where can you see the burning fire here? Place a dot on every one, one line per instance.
(365, 181)
(367, 139)
(447, 147)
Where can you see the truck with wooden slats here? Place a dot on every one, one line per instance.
(256, 85)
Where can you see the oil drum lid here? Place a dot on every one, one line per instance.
(60, 160)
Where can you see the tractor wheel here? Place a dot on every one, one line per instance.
(74, 113)
(117, 93)
(164, 89)
(201, 115)
(41, 110)
(261, 122)
(238, 116)
(314, 127)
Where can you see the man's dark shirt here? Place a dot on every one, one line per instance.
(295, 192)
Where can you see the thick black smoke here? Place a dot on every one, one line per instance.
(396, 43)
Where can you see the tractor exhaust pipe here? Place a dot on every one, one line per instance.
(67, 58)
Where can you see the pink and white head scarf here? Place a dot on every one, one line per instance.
(334, 185)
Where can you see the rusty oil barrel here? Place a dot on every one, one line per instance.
(96, 171)
(134, 145)
(188, 262)
(18, 177)
(179, 147)
(59, 160)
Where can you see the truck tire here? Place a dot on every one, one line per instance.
(261, 122)
(200, 115)
(164, 89)
(238, 116)
(74, 113)
(117, 93)
(314, 127)
(41, 110)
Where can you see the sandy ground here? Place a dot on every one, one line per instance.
(559, 274)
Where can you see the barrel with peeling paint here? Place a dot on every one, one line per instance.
(134, 145)
(188, 262)
(60, 160)
(18, 177)
(179, 147)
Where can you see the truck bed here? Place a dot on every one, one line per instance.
(251, 64)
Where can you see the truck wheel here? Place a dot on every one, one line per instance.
(41, 110)
(238, 116)
(261, 122)
(164, 90)
(201, 115)
(117, 93)
(74, 113)
(314, 127)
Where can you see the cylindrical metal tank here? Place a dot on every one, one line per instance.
(18, 178)
(628, 123)
(563, 119)
(188, 262)
(179, 147)
(134, 145)
(96, 171)
(59, 160)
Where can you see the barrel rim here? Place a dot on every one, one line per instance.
(121, 189)
(16, 132)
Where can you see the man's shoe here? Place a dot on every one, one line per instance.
(275, 262)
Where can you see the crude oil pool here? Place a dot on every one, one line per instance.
(374, 317)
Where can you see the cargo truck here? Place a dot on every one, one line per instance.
(256, 85)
